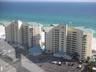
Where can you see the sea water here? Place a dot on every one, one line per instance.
(70, 13)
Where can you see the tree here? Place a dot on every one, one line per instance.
(90, 66)
(88, 58)
(75, 55)
(49, 51)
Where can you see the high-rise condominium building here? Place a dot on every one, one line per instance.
(79, 39)
(59, 37)
(27, 33)
(55, 37)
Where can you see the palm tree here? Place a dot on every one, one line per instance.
(90, 68)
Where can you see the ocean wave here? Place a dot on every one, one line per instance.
(2, 21)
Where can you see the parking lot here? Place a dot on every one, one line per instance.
(14, 62)
(47, 66)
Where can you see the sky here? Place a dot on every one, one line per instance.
(47, 0)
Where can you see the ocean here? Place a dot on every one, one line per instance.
(46, 13)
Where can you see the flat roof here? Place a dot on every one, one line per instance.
(7, 49)
(43, 48)
(6, 23)
(61, 53)
(91, 60)
(85, 29)
(69, 54)
(35, 49)
(22, 45)
(34, 24)
(15, 43)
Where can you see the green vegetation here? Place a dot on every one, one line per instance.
(91, 65)
(75, 56)
(86, 60)
(94, 55)
(81, 68)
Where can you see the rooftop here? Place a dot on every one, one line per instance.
(34, 24)
(61, 53)
(51, 25)
(15, 43)
(6, 23)
(7, 49)
(85, 29)
(69, 54)
(91, 60)
(22, 45)
(35, 49)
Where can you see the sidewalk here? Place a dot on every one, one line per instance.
(30, 65)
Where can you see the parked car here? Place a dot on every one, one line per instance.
(72, 64)
(80, 62)
(54, 62)
(59, 63)
(40, 65)
(69, 64)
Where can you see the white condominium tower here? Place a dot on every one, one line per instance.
(59, 37)
(27, 33)
(31, 32)
(13, 31)
(55, 37)
(79, 39)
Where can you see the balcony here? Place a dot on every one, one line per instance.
(84, 44)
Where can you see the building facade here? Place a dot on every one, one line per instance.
(55, 38)
(69, 40)
(58, 37)
(28, 33)
(13, 31)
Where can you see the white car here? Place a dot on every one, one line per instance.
(9, 50)
(54, 62)
(59, 62)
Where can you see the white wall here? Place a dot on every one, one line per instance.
(65, 37)
(8, 33)
(93, 43)
(20, 32)
(48, 43)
